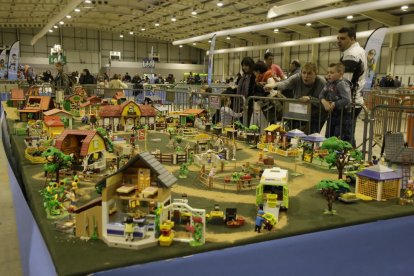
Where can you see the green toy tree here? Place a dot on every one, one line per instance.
(254, 128)
(108, 142)
(330, 189)
(56, 160)
(340, 154)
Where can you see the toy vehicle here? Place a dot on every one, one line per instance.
(270, 221)
(272, 191)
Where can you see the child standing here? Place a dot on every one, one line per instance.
(227, 115)
(335, 96)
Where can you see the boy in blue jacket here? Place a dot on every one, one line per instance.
(335, 97)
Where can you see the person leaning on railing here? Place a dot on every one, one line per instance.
(305, 87)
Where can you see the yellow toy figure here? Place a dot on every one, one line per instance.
(129, 229)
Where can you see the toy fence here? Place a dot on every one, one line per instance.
(226, 183)
(171, 158)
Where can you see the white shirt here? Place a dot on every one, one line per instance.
(356, 53)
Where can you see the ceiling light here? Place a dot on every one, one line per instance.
(131, 32)
(228, 37)
(404, 8)
(194, 43)
(181, 46)
(121, 35)
(77, 10)
(276, 30)
(61, 22)
(194, 12)
(173, 18)
(156, 24)
(50, 31)
(209, 41)
(308, 24)
(88, 1)
(293, 7)
(220, 4)
(68, 16)
(55, 27)
(142, 29)
(349, 17)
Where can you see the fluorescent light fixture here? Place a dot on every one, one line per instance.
(276, 30)
(131, 32)
(50, 31)
(156, 24)
(61, 22)
(68, 16)
(142, 29)
(88, 1)
(297, 6)
(308, 24)
(121, 35)
(77, 10)
(181, 46)
(311, 17)
(349, 17)
(194, 12)
(404, 8)
(220, 4)
(55, 27)
(228, 37)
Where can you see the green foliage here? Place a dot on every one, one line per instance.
(236, 176)
(66, 105)
(56, 160)
(336, 185)
(254, 128)
(101, 131)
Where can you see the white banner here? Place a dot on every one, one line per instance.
(210, 60)
(4, 58)
(373, 51)
(14, 56)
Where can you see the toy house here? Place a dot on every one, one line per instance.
(400, 157)
(88, 147)
(148, 115)
(378, 182)
(17, 97)
(403, 161)
(62, 114)
(53, 126)
(89, 219)
(273, 132)
(188, 116)
(90, 107)
(34, 108)
(126, 115)
(75, 100)
(137, 189)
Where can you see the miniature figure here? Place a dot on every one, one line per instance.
(132, 140)
(129, 229)
(212, 172)
(374, 160)
(259, 221)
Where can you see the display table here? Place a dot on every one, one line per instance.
(71, 255)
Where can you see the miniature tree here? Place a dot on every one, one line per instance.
(340, 153)
(56, 160)
(108, 142)
(183, 171)
(254, 128)
(330, 189)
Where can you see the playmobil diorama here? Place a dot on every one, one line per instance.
(106, 177)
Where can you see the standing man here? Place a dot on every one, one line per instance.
(276, 70)
(294, 67)
(61, 79)
(354, 58)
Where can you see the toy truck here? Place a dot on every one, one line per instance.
(272, 191)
